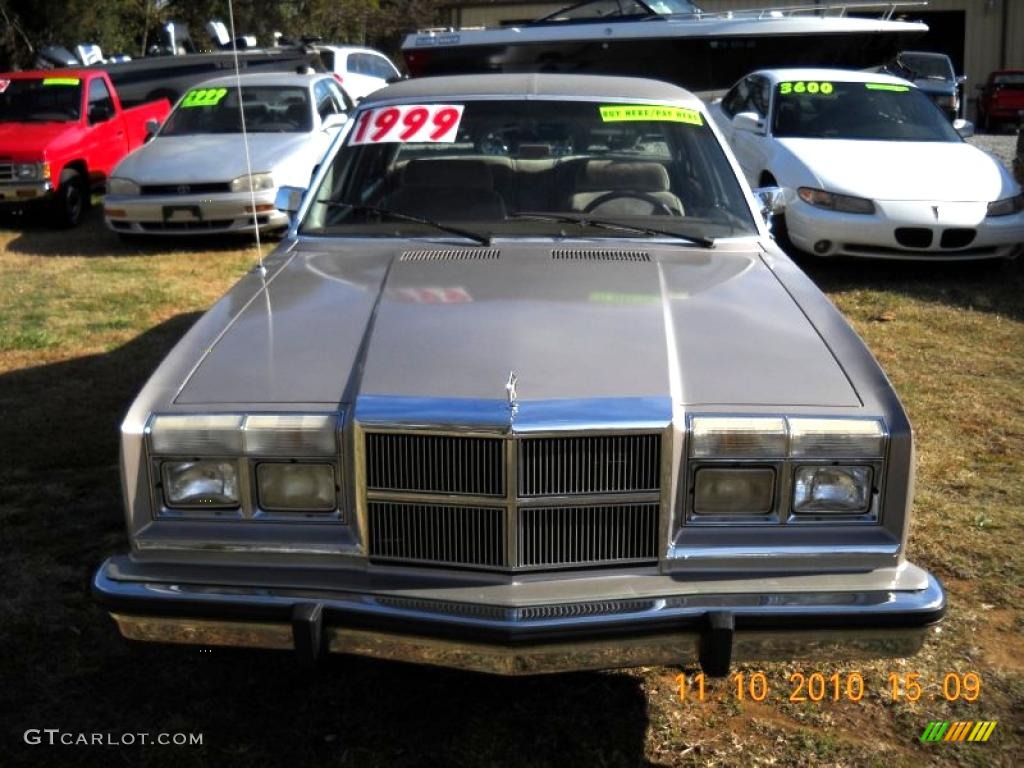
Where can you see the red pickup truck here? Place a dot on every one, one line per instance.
(61, 134)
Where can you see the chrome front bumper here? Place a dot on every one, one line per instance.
(712, 628)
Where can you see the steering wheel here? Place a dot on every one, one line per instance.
(660, 207)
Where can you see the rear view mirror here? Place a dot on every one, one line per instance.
(748, 121)
(964, 127)
(289, 199)
(334, 120)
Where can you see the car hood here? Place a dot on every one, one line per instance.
(901, 170)
(365, 320)
(207, 157)
(28, 141)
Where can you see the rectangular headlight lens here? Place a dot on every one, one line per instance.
(290, 434)
(197, 434)
(836, 438)
(734, 491)
(832, 490)
(737, 437)
(199, 484)
(299, 487)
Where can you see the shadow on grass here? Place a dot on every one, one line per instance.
(36, 236)
(985, 286)
(64, 665)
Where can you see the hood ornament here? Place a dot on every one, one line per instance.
(935, 210)
(510, 392)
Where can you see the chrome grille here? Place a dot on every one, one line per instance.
(434, 533)
(452, 254)
(587, 535)
(435, 464)
(561, 466)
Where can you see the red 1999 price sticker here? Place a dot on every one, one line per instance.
(438, 123)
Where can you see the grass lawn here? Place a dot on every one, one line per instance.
(84, 319)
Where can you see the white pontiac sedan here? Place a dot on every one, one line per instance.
(876, 169)
(192, 176)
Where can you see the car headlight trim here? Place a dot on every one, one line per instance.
(117, 185)
(1007, 206)
(256, 182)
(296, 487)
(833, 201)
(832, 490)
(200, 484)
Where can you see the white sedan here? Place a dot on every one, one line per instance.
(194, 175)
(360, 70)
(875, 169)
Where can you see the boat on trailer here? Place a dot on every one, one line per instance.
(672, 40)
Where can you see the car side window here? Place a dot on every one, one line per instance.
(101, 106)
(736, 99)
(382, 67)
(357, 64)
(760, 95)
(325, 100)
(345, 104)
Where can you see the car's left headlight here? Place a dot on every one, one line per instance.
(1007, 206)
(200, 483)
(121, 186)
(255, 183)
(831, 201)
(31, 171)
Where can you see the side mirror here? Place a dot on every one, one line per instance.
(289, 199)
(961, 79)
(750, 122)
(334, 120)
(152, 126)
(100, 113)
(772, 201)
(964, 127)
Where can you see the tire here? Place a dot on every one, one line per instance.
(72, 199)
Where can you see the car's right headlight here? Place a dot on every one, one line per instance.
(1007, 206)
(830, 201)
(202, 483)
(120, 186)
(256, 182)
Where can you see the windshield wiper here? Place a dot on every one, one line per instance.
(586, 220)
(386, 213)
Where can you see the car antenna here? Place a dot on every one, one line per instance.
(245, 141)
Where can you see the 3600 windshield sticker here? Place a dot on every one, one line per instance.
(621, 113)
(204, 97)
(419, 123)
(812, 87)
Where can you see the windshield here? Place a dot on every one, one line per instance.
(488, 165)
(49, 99)
(869, 111)
(268, 109)
(932, 67)
(603, 9)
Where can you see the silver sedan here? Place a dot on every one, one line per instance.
(197, 174)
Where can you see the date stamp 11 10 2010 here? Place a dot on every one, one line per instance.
(818, 687)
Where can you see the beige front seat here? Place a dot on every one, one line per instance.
(628, 188)
(447, 189)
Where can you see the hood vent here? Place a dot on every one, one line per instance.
(453, 254)
(572, 254)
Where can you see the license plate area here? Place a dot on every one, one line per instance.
(181, 214)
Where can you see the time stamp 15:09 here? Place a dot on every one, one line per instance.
(837, 686)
